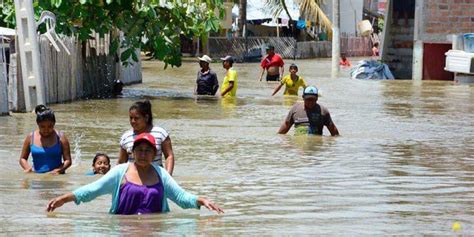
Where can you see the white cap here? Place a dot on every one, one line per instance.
(228, 58)
(205, 58)
(310, 91)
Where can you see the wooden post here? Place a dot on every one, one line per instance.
(207, 43)
(3, 81)
(198, 46)
(278, 27)
(29, 54)
(335, 39)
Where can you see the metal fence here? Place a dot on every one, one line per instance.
(247, 49)
(250, 47)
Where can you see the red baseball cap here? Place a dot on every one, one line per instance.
(147, 137)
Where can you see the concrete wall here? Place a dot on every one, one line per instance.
(351, 14)
(434, 21)
(443, 17)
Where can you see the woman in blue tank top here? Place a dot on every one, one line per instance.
(49, 148)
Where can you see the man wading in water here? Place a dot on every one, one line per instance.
(206, 82)
(273, 64)
(309, 117)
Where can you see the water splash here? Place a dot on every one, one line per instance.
(76, 160)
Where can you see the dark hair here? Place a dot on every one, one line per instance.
(376, 44)
(229, 59)
(97, 157)
(44, 113)
(294, 66)
(143, 108)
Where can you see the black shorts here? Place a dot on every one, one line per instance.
(273, 77)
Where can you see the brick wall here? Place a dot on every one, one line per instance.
(448, 16)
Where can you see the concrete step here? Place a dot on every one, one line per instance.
(402, 37)
(402, 44)
(402, 30)
(400, 71)
(397, 43)
(399, 66)
(398, 57)
(400, 51)
(402, 74)
(401, 21)
(395, 63)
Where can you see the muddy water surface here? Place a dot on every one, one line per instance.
(404, 163)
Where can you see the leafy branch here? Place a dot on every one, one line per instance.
(152, 24)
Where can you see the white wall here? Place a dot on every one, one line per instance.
(351, 14)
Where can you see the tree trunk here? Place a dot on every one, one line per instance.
(242, 17)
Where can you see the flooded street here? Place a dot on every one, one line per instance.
(404, 162)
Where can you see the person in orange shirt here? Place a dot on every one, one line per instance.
(344, 61)
(375, 50)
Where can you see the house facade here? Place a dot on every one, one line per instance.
(414, 47)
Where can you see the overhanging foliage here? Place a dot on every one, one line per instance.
(160, 22)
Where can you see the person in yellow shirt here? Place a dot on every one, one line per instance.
(229, 86)
(292, 82)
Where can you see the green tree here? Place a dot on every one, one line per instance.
(157, 23)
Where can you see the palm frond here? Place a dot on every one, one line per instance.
(310, 9)
(275, 7)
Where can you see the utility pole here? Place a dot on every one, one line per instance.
(29, 54)
(335, 39)
(242, 17)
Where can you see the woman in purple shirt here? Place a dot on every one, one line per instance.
(140, 187)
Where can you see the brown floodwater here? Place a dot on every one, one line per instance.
(404, 162)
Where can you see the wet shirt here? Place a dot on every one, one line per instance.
(309, 121)
(207, 83)
(46, 159)
(140, 199)
(272, 61)
(291, 87)
(231, 76)
(346, 63)
(160, 134)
